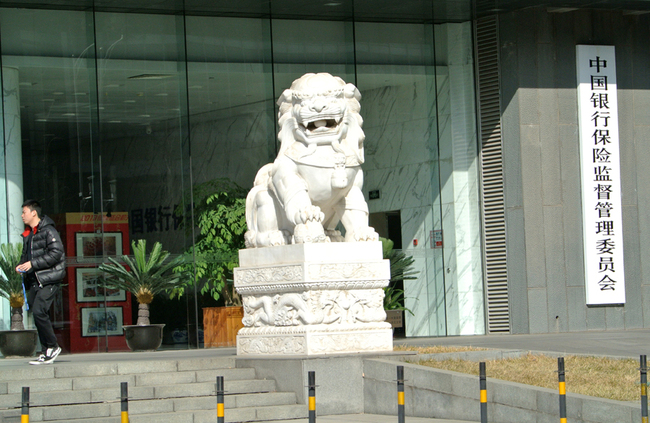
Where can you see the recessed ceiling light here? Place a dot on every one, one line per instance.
(114, 121)
(80, 93)
(151, 76)
(129, 101)
(144, 116)
(41, 120)
(26, 84)
(332, 4)
(58, 93)
(162, 94)
(561, 9)
(69, 114)
(635, 12)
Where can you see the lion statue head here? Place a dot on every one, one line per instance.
(321, 109)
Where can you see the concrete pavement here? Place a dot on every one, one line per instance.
(629, 343)
(369, 418)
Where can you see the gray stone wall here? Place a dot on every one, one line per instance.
(542, 185)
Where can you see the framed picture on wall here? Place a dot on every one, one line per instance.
(90, 287)
(101, 321)
(92, 246)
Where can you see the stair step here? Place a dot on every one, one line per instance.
(68, 369)
(149, 379)
(178, 410)
(159, 391)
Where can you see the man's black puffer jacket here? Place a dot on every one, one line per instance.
(47, 256)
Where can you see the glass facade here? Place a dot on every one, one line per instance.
(113, 119)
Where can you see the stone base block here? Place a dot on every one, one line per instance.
(315, 340)
(313, 299)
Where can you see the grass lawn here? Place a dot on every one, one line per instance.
(616, 379)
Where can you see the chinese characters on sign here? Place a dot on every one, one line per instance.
(154, 219)
(600, 172)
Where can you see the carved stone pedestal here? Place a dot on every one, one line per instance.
(308, 299)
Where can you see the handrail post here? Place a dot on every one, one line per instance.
(401, 417)
(312, 396)
(483, 388)
(562, 388)
(24, 411)
(220, 407)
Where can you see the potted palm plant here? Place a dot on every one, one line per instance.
(220, 212)
(401, 269)
(144, 278)
(17, 341)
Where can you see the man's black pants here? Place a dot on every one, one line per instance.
(40, 300)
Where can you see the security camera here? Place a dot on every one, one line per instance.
(148, 130)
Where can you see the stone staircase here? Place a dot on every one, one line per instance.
(176, 391)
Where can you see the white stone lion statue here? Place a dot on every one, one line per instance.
(316, 179)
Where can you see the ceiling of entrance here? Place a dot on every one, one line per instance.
(55, 88)
(362, 10)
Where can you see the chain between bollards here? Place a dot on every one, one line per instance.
(124, 401)
(644, 388)
(400, 395)
(483, 387)
(312, 396)
(220, 407)
(562, 388)
(24, 412)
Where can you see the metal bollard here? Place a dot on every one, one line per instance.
(483, 387)
(24, 412)
(312, 397)
(644, 388)
(124, 401)
(400, 395)
(560, 377)
(220, 407)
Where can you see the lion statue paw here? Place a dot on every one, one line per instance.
(334, 235)
(309, 214)
(365, 234)
(305, 233)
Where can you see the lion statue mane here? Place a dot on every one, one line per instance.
(315, 182)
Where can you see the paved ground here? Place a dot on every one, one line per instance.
(631, 343)
(368, 418)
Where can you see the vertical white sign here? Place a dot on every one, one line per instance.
(600, 171)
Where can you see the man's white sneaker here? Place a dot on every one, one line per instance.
(51, 355)
(39, 360)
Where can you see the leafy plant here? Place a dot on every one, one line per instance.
(144, 277)
(220, 213)
(401, 269)
(11, 283)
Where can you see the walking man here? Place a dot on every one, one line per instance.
(43, 267)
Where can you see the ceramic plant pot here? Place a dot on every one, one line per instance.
(18, 343)
(143, 338)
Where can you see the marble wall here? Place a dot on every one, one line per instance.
(421, 154)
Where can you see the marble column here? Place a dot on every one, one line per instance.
(11, 171)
